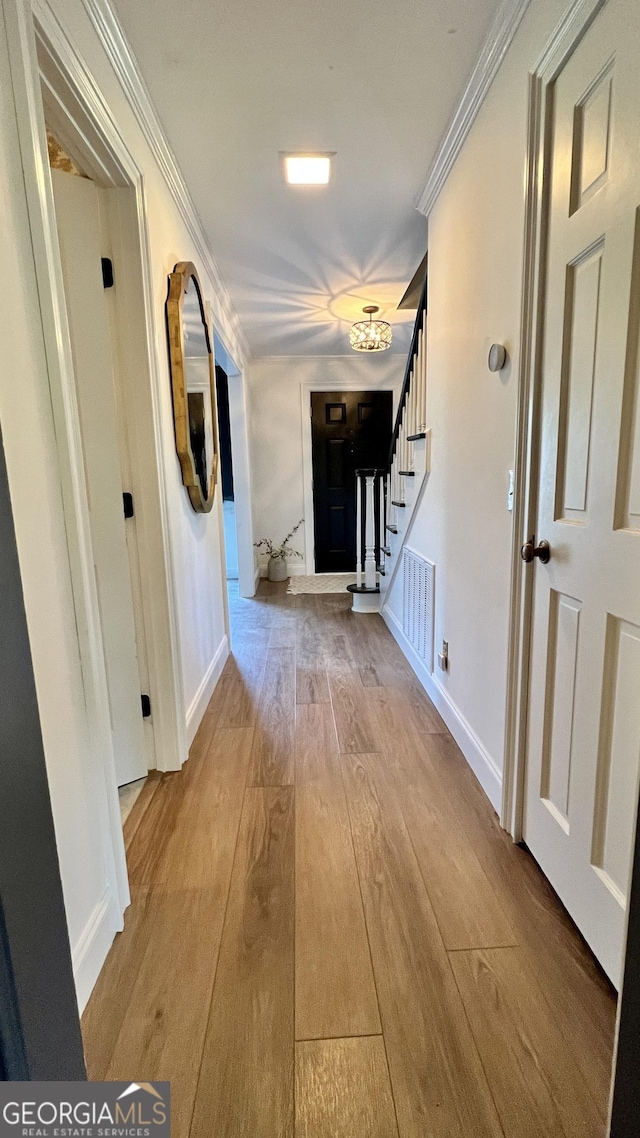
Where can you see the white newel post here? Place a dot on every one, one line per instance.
(370, 577)
(358, 530)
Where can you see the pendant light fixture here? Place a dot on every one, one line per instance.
(370, 335)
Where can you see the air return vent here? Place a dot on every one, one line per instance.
(419, 582)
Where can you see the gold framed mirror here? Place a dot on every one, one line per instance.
(193, 386)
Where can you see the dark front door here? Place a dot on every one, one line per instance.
(349, 430)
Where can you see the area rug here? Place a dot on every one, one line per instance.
(321, 583)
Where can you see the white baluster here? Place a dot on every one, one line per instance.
(383, 537)
(413, 392)
(370, 575)
(358, 530)
(412, 411)
(423, 377)
(419, 383)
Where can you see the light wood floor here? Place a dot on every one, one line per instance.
(330, 935)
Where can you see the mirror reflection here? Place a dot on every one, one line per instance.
(192, 379)
(198, 385)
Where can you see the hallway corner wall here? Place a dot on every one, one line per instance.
(474, 294)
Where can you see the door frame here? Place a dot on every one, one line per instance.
(238, 404)
(33, 29)
(306, 387)
(566, 37)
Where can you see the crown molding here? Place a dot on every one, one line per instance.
(120, 54)
(495, 48)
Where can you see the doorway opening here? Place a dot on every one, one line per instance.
(235, 478)
(350, 430)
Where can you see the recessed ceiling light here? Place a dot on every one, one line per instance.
(307, 169)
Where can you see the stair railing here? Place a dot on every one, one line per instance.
(380, 493)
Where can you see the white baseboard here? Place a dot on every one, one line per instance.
(297, 569)
(478, 758)
(200, 701)
(90, 952)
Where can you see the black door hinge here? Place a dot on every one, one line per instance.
(127, 504)
(146, 706)
(107, 272)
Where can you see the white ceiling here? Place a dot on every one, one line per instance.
(236, 83)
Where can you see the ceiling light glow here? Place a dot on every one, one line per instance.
(307, 169)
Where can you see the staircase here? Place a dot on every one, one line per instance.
(386, 498)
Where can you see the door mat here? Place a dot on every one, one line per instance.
(321, 583)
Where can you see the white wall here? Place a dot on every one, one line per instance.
(79, 788)
(277, 422)
(475, 265)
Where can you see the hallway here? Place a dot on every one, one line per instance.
(329, 934)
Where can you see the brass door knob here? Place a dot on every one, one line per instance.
(530, 550)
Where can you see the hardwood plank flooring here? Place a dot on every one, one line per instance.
(343, 1089)
(437, 1077)
(272, 750)
(246, 1077)
(536, 1082)
(335, 989)
(329, 933)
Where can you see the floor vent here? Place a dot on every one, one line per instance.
(417, 623)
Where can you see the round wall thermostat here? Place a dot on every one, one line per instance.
(497, 357)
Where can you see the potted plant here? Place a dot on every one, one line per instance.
(278, 554)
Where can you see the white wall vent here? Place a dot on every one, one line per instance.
(417, 617)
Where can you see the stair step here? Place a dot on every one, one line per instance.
(407, 473)
(401, 504)
(392, 529)
(386, 549)
(414, 438)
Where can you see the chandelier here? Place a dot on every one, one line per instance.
(370, 335)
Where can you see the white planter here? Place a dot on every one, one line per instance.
(277, 569)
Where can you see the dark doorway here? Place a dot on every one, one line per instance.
(224, 433)
(349, 430)
(226, 473)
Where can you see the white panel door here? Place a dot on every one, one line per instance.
(584, 718)
(78, 222)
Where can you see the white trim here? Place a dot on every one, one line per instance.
(120, 55)
(61, 381)
(240, 452)
(573, 25)
(496, 46)
(200, 701)
(92, 946)
(306, 387)
(91, 123)
(480, 761)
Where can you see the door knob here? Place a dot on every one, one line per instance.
(530, 550)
